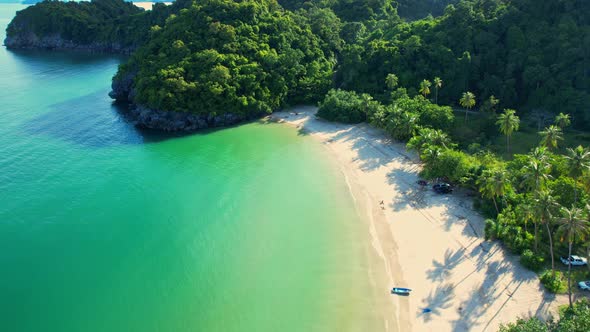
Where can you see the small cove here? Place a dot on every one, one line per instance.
(107, 228)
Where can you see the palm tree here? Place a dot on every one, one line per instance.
(391, 81)
(508, 122)
(467, 101)
(578, 162)
(526, 212)
(550, 136)
(492, 184)
(539, 153)
(365, 101)
(430, 153)
(544, 205)
(572, 226)
(493, 103)
(425, 87)
(407, 125)
(563, 120)
(535, 175)
(437, 85)
(429, 137)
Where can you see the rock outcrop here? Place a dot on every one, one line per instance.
(179, 121)
(145, 117)
(122, 88)
(30, 40)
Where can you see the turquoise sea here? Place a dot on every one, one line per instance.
(104, 227)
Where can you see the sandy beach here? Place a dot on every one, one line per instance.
(428, 242)
(148, 5)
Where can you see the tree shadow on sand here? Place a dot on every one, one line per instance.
(491, 290)
(441, 270)
(436, 301)
(372, 148)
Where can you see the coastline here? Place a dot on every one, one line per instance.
(421, 240)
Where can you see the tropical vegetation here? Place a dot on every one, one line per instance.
(390, 63)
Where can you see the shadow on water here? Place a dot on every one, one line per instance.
(93, 121)
(67, 58)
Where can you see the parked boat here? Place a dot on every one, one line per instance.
(400, 290)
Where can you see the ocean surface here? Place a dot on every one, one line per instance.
(104, 227)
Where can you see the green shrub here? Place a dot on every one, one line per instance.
(531, 261)
(452, 164)
(342, 106)
(554, 282)
(532, 324)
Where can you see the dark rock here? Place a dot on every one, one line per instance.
(122, 86)
(180, 121)
(29, 40)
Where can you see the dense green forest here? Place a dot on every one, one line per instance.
(225, 56)
(114, 21)
(530, 56)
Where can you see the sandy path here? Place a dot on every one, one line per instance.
(428, 242)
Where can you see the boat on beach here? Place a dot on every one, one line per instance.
(400, 290)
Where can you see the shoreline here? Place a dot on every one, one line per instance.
(468, 284)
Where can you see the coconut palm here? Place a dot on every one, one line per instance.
(493, 103)
(425, 87)
(508, 122)
(578, 162)
(492, 184)
(430, 153)
(563, 120)
(467, 101)
(572, 226)
(437, 85)
(539, 153)
(526, 212)
(365, 102)
(429, 137)
(407, 125)
(544, 208)
(536, 173)
(550, 136)
(391, 81)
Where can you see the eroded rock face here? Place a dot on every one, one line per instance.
(122, 88)
(30, 40)
(180, 121)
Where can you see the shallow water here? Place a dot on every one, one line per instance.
(107, 228)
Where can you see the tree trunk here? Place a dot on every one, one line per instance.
(569, 273)
(551, 249)
(508, 144)
(466, 115)
(436, 96)
(496, 205)
(536, 236)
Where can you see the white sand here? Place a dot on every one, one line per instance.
(421, 240)
(147, 5)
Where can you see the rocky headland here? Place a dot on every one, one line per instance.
(30, 40)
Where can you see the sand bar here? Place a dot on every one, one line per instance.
(425, 241)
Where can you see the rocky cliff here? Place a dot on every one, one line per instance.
(142, 116)
(30, 40)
